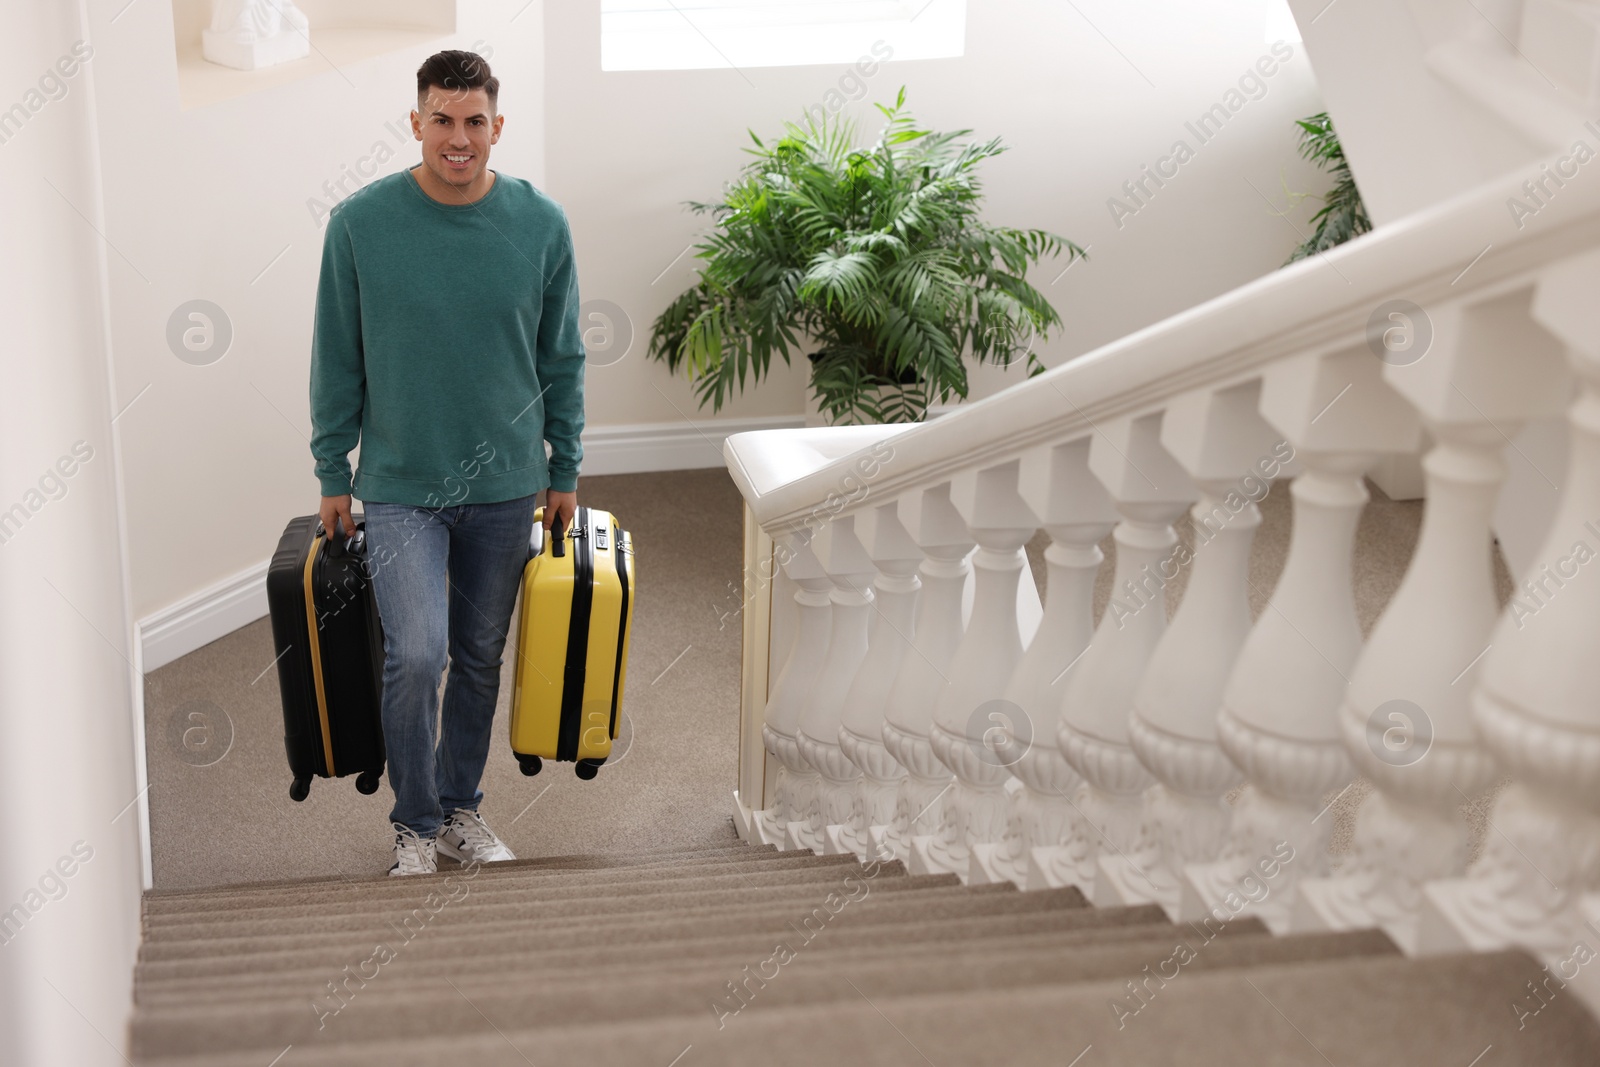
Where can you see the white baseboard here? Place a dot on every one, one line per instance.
(224, 607)
(200, 619)
(669, 446)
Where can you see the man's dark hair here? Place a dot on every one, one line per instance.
(458, 73)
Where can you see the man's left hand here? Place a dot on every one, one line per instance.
(562, 505)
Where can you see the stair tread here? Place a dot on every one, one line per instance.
(670, 958)
(946, 902)
(1081, 922)
(512, 902)
(682, 987)
(1361, 1012)
(597, 862)
(382, 884)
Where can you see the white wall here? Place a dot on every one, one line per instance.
(210, 202)
(626, 149)
(68, 779)
(1411, 139)
(199, 203)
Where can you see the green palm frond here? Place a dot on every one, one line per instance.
(1343, 215)
(875, 260)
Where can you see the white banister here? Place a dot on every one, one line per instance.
(797, 779)
(1407, 717)
(1536, 705)
(845, 560)
(1149, 490)
(1280, 708)
(939, 531)
(1318, 305)
(1232, 454)
(970, 714)
(1167, 406)
(895, 592)
(1077, 512)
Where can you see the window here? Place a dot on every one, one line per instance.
(705, 34)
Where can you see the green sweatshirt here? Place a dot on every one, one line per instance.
(447, 342)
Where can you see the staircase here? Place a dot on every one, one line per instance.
(744, 954)
(978, 828)
(904, 693)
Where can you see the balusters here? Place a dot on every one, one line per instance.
(1232, 455)
(938, 529)
(970, 716)
(1280, 708)
(1149, 490)
(1076, 510)
(893, 622)
(1407, 715)
(797, 779)
(845, 560)
(1537, 702)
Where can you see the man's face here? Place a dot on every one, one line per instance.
(456, 130)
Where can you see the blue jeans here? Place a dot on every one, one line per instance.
(410, 551)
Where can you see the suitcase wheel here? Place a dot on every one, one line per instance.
(588, 768)
(299, 789)
(531, 765)
(367, 782)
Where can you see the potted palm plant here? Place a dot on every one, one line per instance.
(875, 261)
(1343, 215)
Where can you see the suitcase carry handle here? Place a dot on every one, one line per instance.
(536, 541)
(356, 542)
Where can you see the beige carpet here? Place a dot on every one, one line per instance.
(231, 820)
(644, 959)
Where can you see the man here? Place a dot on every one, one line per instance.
(447, 341)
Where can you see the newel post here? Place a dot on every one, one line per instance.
(797, 779)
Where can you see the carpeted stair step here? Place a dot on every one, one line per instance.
(381, 887)
(1124, 951)
(1362, 1012)
(668, 959)
(374, 1012)
(575, 861)
(890, 933)
(166, 902)
(758, 915)
(470, 901)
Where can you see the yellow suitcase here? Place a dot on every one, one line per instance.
(572, 643)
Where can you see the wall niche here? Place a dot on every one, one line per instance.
(343, 32)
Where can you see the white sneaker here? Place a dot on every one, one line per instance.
(466, 837)
(413, 854)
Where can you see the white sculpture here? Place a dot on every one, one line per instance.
(251, 34)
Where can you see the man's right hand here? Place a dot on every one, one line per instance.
(337, 509)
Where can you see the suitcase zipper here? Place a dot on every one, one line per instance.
(621, 557)
(315, 646)
(573, 678)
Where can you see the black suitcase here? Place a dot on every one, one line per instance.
(329, 641)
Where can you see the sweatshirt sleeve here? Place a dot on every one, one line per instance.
(338, 367)
(559, 360)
